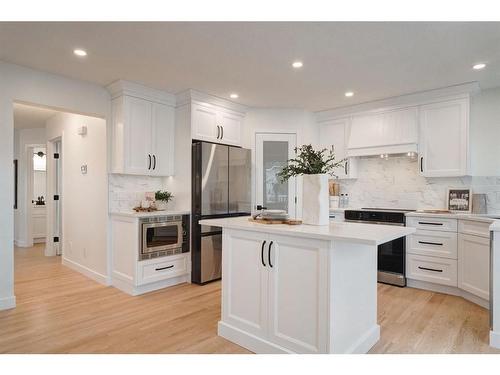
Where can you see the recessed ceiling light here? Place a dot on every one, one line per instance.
(479, 66)
(80, 52)
(297, 64)
(234, 96)
(349, 94)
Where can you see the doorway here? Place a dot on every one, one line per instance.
(272, 152)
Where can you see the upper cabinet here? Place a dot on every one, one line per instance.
(444, 133)
(213, 119)
(336, 133)
(143, 131)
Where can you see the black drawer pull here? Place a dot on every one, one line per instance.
(430, 269)
(428, 223)
(430, 243)
(269, 254)
(262, 253)
(164, 268)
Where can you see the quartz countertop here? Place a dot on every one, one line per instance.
(132, 213)
(486, 218)
(340, 231)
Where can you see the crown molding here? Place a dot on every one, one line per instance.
(122, 87)
(189, 95)
(408, 100)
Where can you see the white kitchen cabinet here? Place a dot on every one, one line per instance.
(444, 133)
(214, 124)
(474, 264)
(336, 133)
(143, 130)
(263, 295)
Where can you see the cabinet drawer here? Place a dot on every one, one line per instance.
(476, 228)
(432, 269)
(150, 271)
(336, 216)
(431, 223)
(432, 243)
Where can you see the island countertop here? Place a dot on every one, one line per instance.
(354, 232)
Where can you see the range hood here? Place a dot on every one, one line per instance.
(394, 132)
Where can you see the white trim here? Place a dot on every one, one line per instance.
(365, 342)
(384, 149)
(102, 279)
(122, 87)
(202, 98)
(7, 303)
(402, 101)
(128, 288)
(495, 339)
(21, 243)
(445, 289)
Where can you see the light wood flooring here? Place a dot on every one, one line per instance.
(60, 311)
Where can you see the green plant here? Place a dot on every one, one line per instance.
(164, 196)
(310, 161)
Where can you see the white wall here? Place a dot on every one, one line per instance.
(24, 137)
(485, 133)
(296, 121)
(35, 87)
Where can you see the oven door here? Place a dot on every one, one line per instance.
(161, 236)
(391, 262)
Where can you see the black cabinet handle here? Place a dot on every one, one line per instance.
(430, 269)
(149, 164)
(429, 223)
(218, 131)
(345, 167)
(164, 268)
(260, 208)
(154, 161)
(421, 164)
(430, 243)
(269, 254)
(262, 253)
(222, 132)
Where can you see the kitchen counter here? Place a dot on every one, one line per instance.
(132, 213)
(487, 218)
(301, 288)
(354, 232)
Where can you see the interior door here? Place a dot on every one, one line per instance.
(272, 152)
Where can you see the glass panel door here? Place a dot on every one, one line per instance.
(272, 151)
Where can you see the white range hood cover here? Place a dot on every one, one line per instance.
(392, 132)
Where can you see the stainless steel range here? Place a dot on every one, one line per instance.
(392, 254)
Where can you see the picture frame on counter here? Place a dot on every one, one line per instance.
(459, 200)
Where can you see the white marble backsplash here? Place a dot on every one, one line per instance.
(396, 183)
(127, 191)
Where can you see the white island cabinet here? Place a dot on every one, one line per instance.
(301, 289)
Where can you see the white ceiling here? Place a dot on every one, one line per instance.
(375, 60)
(29, 117)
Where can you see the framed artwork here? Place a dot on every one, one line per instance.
(459, 200)
(15, 184)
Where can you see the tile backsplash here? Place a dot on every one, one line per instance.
(127, 191)
(396, 183)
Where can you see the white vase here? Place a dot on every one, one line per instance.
(315, 205)
(161, 205)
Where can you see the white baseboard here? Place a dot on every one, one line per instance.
(126, 284)
(366, 342)
(21, 243)
(495, 339)
(100, 278)
(7, 303)
(445, 289)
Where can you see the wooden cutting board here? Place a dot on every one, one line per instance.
(275, 221)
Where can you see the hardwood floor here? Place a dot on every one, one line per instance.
(60, 311)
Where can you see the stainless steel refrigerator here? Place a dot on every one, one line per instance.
(221, 187)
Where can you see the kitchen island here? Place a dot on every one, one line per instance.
(301, 288)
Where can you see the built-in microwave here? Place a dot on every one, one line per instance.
(164, 236)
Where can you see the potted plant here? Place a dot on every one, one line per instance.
(314, 166)
(162, 198)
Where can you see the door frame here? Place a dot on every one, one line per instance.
(50, 249)
(292, 183)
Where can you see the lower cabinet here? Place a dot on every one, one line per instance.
(474, 265)
(285, 304)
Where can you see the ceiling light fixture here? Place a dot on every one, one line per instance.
(479, 66)
(234, 96)
(80, 52)
(349, 94)
(297, 64)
